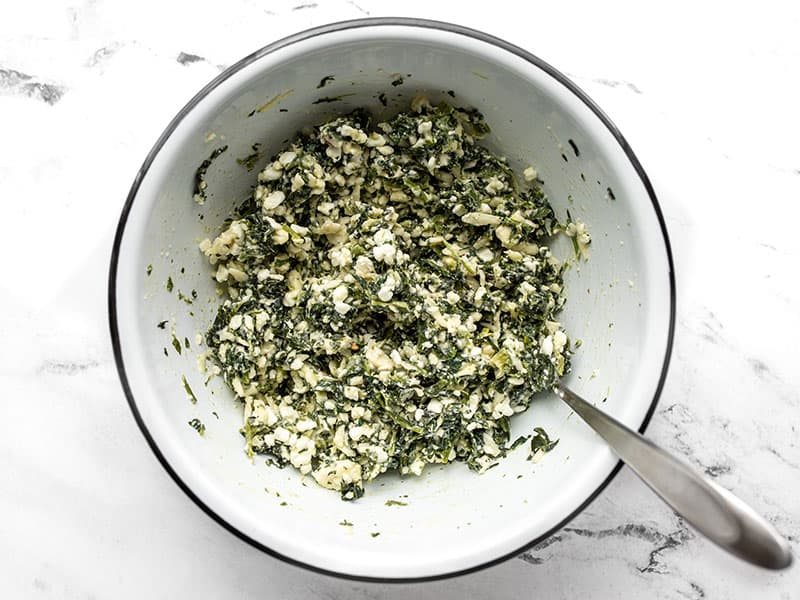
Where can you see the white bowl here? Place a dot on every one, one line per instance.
(621, 303)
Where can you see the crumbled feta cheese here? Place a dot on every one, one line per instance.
(435, 407)
(287, 158)
(270, 174)
(282, 435)
(387, 289)
(274, 200)
(503, 233)
(477, 218)
(580, 233)
(494, 186)
(378, 358)
(342, 307)
(384, 253)
(305, 425)
(383, 236)
(280, 237)
(559, 341)
(340, 293)
(340, 257)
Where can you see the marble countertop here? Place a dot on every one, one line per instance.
(706, 96)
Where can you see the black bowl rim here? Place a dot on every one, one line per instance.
(301, 36)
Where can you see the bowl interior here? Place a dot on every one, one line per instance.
(619, 302)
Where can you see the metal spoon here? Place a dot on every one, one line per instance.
(712, 510)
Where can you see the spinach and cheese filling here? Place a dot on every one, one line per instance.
(390, 298)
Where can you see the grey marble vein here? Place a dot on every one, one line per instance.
(717, 470)
(16, 82)
(661, 542)
(185, 58)
(67, 367)
(696, 593)
(783, 458)
(359, 8)
(102, 54)
(615, 83)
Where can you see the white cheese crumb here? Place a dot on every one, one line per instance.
(378, 358)
(273, 200)
(280, 236)
(342, 307)
(340, 257)
(476, 218)
(384, 253)
(340, 293)
(503, 233)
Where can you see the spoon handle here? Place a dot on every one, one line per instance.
(712, 510)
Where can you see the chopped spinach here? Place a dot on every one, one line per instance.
(250, 161)
(200, 183)
(541, 443)
(197, 426)
(188, 389)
